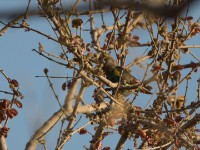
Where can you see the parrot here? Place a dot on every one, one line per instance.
(113, 72)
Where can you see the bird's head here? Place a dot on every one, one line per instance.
(109, 63)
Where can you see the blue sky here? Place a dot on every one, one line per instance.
(19, 62)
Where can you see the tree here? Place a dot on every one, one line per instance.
(154, 111)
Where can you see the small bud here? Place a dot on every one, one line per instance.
(11, 113)
(136, 38)
(76, 22)
(82, 131)
(46, 70)
(64, 85)
(14, 82)
(18, 104)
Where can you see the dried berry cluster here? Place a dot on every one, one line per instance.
(7, 110)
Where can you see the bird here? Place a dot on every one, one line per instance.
(116, 73)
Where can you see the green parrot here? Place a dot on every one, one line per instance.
(113, 71)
